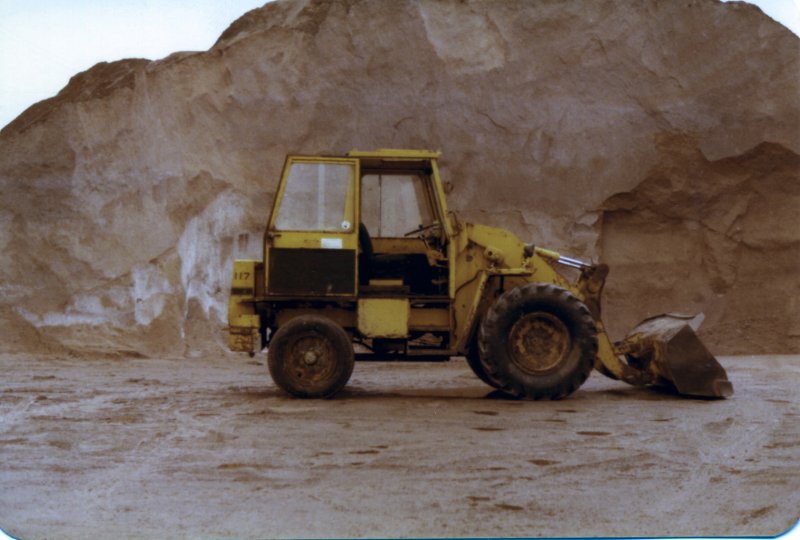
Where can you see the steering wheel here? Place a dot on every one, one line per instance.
(421, 229)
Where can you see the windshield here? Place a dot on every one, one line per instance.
(315, 198)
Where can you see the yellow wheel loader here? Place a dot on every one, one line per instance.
(361, 249)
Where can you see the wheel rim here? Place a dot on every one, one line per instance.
(310, 361)
(539, 342)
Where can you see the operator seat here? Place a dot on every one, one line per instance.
(412, 268)
(381, 265)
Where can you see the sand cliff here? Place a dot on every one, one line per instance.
(660, 137)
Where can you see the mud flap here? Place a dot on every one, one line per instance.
(668, 348)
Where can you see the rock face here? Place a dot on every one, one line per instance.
(659, 137)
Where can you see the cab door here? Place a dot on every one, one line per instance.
(311, 242)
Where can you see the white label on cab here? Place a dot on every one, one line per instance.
(331, 243)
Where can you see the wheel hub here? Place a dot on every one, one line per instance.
(310, 360)
(539, 342)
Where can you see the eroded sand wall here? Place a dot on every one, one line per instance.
(660, 137)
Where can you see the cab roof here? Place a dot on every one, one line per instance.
(385, 160)
(394, 153)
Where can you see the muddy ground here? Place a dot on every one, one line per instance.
(209, 448)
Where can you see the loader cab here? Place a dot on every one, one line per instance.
(364, 241)
(344, 227)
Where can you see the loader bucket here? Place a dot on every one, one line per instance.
(667, 347)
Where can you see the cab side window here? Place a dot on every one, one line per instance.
(394, 204)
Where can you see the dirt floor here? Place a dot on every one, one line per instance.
(209, 448)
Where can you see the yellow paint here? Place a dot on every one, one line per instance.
(244, 340)
(243, 321)
(386, 282)
(244, 274)
(429, 319)
(440, 198)
(383, 317)
(606, 354)
(345, 239)
(548, 253)
(346, 318)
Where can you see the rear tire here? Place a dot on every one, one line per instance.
(538, 341)
(310, 357)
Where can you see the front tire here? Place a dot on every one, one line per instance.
(475, 364)
(310, 357)
(538, 341)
